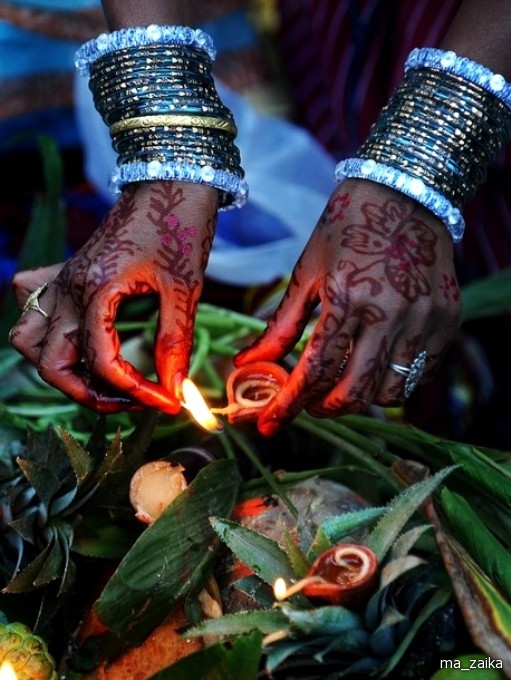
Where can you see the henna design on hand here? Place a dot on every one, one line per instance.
(147, 243)
(392, 237)
(450, 288)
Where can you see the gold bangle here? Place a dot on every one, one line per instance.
(173, 120)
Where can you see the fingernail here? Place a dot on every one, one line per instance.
(176, 382)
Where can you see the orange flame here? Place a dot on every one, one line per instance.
(194, 402)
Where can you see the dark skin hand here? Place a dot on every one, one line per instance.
(156, 239)
(381, 268)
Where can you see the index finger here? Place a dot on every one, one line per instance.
(101, 348)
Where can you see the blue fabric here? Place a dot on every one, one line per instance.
(23, 53)
(64, 5)
(231, 31)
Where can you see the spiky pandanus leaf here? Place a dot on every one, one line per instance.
(326, 638)
(57, 500)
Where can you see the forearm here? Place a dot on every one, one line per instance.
(481, 31)
(126, 13)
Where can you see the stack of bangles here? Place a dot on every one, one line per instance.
(438, 135)
(154, 90)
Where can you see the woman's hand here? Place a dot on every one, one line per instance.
(381, 268)
(156, 239)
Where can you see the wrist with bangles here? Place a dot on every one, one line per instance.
(440, 132)
(154, 89)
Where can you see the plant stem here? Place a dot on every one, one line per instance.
(268, 477)
(352, 444)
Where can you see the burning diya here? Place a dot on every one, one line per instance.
(249, 388)
(345, 575)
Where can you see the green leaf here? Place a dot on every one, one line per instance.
(400, 509)
(482, 470)
(9, 358)
(79, 458)
(486, 613)
(44, 481)
(235, 660)
(96, 536)
(486, 297)
(297, 560)
(171, 558)
(486, 550)
(439, 599)
(263, 555)
(329, 620)
(266, 621)
(41, 571)
(340, 526)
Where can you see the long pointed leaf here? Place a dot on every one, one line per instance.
(263, 555)
(400, 510)
(486, 550)
(79, 458)
(44, 481)
(266, 621)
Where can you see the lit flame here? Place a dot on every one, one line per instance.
(194, 402)
(7, 672)
(280, 589)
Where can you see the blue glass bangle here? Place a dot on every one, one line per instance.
(226, 182)
(429, 57)
(141, 35)
(407, 184)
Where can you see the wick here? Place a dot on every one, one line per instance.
(231, 408)
(296, 587)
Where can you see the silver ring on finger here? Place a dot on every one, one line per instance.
(32, 302)
(413, 373)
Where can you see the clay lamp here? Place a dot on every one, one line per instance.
(345, 575)
(250, 388)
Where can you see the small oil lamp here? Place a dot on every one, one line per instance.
(251, 387)
(345, 575)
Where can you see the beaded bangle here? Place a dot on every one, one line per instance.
(154, 88)
(139, 36)
(406, 184)
(461, 66)
(234, 187)
(438, 135)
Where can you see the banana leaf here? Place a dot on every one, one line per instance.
(487, 551)
(171, 559)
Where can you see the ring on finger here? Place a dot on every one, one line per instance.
(413, 374)
(32, 302)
